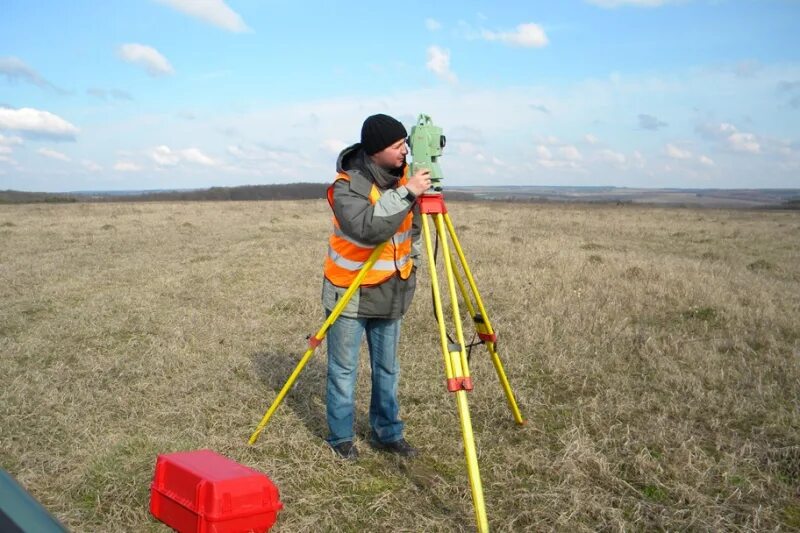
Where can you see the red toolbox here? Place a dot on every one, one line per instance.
(204, 492)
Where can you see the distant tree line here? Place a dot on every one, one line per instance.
(291, 191)
(22, 197)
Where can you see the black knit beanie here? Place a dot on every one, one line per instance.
(380, 131)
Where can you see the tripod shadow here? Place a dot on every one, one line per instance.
(307, 397)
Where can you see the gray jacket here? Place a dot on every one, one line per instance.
(372, 224)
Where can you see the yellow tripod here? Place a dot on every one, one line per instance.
(459, 380)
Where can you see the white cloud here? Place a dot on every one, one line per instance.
(744, 142)
(36, 123)
(638, 159)
(167, 157)
(6, 146)
(677, 153)
(432, 24)
(707, 161)
(164, 156)
(91, 166)
(610, 156)
(731, 137)
(53, 154)
(570, 153)
(257, 153)
(682, 154)
(147, 57)
(591, 139)
(439, 63)
(215, 12)
(126, 166)
(194, 155)
(559, 156)
(9, 141)
(527, 35)
(543, 152)
(333, 146)
(635, 3)
(16, 70)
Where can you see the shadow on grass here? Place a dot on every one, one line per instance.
(307, 399)
(307, 396)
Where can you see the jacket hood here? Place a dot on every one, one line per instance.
(353, 158)
(348, 157)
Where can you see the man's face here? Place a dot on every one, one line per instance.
(393, 156)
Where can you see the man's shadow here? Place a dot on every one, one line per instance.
(307, 396)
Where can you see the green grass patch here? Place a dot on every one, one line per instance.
(705, 314)
(760, 265)
(791, 516)
(122, 472)
(633, 272)
(655, 493)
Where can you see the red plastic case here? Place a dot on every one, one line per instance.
(204, 492)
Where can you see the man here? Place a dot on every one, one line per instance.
(373, 201)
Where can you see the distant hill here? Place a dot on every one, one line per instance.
(728, 198)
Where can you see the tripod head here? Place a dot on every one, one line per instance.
(427, 143)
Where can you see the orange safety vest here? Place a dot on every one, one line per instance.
(346, 255)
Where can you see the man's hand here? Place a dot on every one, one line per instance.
(419, 182)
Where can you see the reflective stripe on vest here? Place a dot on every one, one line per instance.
(347, 255)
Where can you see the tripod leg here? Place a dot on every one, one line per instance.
(316, 340)
(437, 298)
(457, 370)
(453, 297)
(490, 344)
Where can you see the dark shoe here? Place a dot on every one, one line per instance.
(399, 447)
(346, 450)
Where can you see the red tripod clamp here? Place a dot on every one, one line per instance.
(313, 341)
(431, 204)
(457, 384)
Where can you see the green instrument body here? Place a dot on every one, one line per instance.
(427, 143)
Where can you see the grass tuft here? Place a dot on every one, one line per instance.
(760, 264)
(705, 314)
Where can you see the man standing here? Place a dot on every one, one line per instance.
(373, 201)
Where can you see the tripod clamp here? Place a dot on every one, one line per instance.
(457, 383)
(483, 331)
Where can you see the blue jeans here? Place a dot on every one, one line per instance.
(344, 341)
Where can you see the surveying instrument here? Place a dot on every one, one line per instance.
(427, 143)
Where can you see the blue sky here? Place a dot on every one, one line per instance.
(153, 94)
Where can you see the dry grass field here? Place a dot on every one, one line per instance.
(655, 353)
